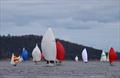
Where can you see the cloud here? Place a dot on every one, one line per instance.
(80, 10)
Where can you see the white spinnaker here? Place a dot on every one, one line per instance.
(48, 45)
(76, 58)
(12, 59)
(103, 56)
(36, 53)
(85, 55)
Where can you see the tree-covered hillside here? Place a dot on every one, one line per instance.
(15, 44)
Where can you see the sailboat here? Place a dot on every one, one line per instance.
(103, 57)
(36, 54)
(14, 60)
(60, 52)
(76, 58)
(112, 55)
(85, 55)
(24, 54)
(48, 46)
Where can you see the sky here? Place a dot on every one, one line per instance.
(93, 23)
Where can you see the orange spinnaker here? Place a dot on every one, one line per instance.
(16, 59)
(112, 55)
(60, 51)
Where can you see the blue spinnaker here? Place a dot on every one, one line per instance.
(24, 54)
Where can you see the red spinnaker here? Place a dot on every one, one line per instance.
(112, 55)
(60, 51)
(42, 56)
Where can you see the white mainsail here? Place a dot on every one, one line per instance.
(103, 56)
(36, 53)
(84, 55)
(76, 58)
(48, 45)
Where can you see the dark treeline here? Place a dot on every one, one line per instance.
(15, 44)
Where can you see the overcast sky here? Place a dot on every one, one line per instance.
(94, 23)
